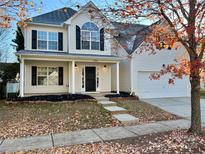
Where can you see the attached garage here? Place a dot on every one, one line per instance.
(147, 88)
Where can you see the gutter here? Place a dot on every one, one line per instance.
(42, 24)
(72, 57)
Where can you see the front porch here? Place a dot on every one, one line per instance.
(53, 76)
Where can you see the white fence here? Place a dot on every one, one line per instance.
(12, 88)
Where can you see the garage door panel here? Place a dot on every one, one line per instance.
(160, 88)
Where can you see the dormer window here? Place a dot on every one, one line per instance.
(90, 36)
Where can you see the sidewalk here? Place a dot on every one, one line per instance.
(89, 136)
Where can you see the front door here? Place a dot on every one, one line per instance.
(90, 79)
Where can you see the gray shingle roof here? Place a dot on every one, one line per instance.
(56, 17)
(130, 36)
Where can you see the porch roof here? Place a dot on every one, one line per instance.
(69, 56)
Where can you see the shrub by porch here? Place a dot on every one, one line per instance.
(122, 96)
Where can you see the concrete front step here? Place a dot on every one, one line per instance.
(101, 98)
(115, 109)
(107, 103)
(126, 119)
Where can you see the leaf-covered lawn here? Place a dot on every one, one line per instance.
(23, 119)
(36, 119)
(145, 112)
(164, 143)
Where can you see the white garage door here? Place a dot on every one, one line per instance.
(160, 88)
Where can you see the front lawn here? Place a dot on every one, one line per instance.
(176, 142)
(28, 119)
(145, 112)
(24, 119)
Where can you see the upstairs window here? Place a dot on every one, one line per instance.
(90, 36)
(52, 41)
(42, 40)
(47, 40)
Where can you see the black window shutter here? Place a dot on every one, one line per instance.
(34, 39)
(34, 76)
(60, 76)
(102, 39)
(77, 37)
(60, 41)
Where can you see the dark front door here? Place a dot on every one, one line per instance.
(90, 79)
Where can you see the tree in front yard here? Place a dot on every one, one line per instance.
(19, 40)
(16, 10)
(182, 21)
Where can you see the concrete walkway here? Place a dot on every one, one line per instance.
(117, 112)
(180, 106)
(89, 136)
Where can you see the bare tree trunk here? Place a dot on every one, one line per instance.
(195, 106)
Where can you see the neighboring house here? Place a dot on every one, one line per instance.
(67, 51)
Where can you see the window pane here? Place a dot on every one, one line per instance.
(42, 71)
(85, 36)
(42, 35)
(90, 26)
(42, 80)
(95, 45)
(85, 44)
(52, 76)
(42, 44)
(52, 36)
(95, 36)
(52, 45)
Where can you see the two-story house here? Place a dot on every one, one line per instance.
(66, 51)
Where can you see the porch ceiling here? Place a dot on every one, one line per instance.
(65, 56)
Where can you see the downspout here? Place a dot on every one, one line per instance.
(131, 76)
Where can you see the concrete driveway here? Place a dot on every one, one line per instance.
(180, 106)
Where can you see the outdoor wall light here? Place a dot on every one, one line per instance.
(76, 65)
(105, 66)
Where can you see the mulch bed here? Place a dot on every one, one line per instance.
(174, 142)
(49, 98)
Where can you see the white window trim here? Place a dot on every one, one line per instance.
(90, 40)
(47, 40)
(47, 75)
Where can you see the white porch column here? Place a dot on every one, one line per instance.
(118, 80)
(73, 77)
(22, 78)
